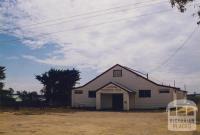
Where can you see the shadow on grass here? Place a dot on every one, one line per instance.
(50, 110)
(196, 133)
(40, 111)
(134, 111)
(37, 111)
(29, 112)
(2, 132)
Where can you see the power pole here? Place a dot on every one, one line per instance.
(185, 87)
(174, 83)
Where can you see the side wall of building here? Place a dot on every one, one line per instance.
(181, 95)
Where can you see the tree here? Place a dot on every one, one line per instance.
(2, 76)
(58, 85)
(29, 99)
(6, 98)
(181, 5)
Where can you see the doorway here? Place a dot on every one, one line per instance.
(117, 102)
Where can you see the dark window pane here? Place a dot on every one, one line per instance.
(144, 93)
(164, 91)
(92, 94)
(117, 73)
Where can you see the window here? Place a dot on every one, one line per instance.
(117, 73)
(144, 93)
(78, 92)
(92, 94)
(164, 91)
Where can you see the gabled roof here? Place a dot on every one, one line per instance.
(134, 72)
(118, 85)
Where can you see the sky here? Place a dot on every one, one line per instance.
(91, 35)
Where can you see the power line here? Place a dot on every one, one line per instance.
(108, 22)
(176, 51)
(89, 17)
(88, 13)
(93, 25)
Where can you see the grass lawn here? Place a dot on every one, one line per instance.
(73, 122)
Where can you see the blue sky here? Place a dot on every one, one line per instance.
(36, 35)
(18, 68)
(20, 72)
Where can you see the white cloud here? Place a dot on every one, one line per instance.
(142, 43)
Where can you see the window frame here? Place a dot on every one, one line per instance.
(91, 94)
(144, 95)
(117, 75)
(78, 91)
(164, 91)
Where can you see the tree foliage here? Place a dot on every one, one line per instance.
(58, 85)
(181, 5)
(2, 76)
(29, 99)
(6, 98)
(5, 95)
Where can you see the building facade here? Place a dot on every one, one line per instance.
(121, 88)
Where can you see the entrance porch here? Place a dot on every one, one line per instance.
(114, 96)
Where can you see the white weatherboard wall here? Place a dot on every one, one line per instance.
(131, 81)
(94, 85)
(106, 101)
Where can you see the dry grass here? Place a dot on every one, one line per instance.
(73, 122)
(198, 113)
